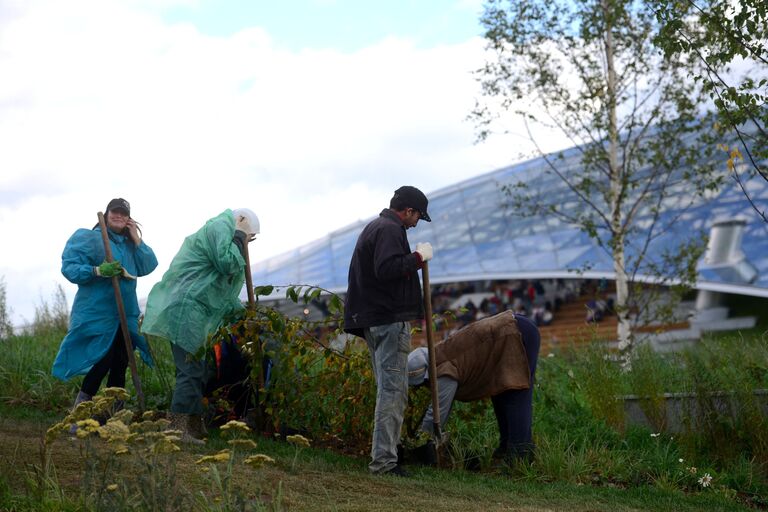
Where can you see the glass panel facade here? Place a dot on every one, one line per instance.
(475, 234)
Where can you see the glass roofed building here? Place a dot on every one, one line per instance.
(477, 238)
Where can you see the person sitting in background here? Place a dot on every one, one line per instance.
(492, 358)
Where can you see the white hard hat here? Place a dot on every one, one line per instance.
(251, 220)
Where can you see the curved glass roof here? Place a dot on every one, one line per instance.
(476, 238)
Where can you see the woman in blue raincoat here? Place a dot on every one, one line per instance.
(94, 344)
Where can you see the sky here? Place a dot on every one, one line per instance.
(309, 112)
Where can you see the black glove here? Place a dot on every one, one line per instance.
(240, 240)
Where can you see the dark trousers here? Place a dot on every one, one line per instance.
(114, 362)
(514, 408)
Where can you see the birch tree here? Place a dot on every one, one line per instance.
(588, 69)
(727, 44)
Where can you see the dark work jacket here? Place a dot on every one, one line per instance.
(383, 283)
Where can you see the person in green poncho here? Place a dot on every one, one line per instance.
(201, 287)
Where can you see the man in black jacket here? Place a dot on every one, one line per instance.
(383, 296)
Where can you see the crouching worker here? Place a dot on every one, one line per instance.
(200, 289)
(494, 357)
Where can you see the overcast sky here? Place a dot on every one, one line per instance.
(309, 112)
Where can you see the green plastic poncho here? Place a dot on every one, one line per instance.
(200, 288)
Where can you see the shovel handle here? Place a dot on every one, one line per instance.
(431, 352)
(121, 312)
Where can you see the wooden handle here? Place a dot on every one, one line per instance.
(431, 351)
(121, 312)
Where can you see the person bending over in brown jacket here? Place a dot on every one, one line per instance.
(492, 358)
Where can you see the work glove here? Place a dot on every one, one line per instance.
(425, 250)
(109, 269)
(240, 239)
(126, 275)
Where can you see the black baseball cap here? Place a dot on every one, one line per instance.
(119, 204)
(411, 197)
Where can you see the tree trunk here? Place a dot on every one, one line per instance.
(617, 195)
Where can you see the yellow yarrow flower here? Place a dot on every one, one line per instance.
(235, 425)
(258, 460)
(114, 430)
(298, 440)
(242, 443)
(222, 456)
(117, 393)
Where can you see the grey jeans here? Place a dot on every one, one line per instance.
(389, 346)
(190, 382)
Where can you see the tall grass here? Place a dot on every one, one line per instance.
(579, 428)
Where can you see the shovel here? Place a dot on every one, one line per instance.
(252, 305)
(123, 319)
(436, 431)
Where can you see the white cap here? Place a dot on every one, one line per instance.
(417, 366)
(251, 219)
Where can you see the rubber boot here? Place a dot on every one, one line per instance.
(197, 426)
(80, 398)
(180, 422)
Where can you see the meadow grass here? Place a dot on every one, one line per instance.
(587, 459)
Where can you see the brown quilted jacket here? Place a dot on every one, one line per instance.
(486, 357)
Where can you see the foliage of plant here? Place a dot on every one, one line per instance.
(587, 69)
(51, 317)
(321, 380)
(648, 381)
(600, 378)
(131, 464)
(718, 36)
(6, 327)
(318, 390)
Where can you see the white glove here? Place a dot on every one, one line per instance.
(126, 275)
(425, 250)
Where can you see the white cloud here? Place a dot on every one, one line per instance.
(100, 99)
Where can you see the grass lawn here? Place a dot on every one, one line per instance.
(324, 480)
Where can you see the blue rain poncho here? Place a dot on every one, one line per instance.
(201, 287)
(95, 320)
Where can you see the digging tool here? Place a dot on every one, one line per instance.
(437, 432)
(251, 306)
(121, 312)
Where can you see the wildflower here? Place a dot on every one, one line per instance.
(52, 433)
(298, 440)
(680, 460)
(656, 434)
(121, 449)
(124, 416)
(222, 456)
(87, 427)
(258, 460)
(112, 487)
(235, 425)
(117, 393)
(114, 431)
(242, 443)
(692, 470)
(570, 374)
(165, 446)
(706, 480)
(551, 354)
